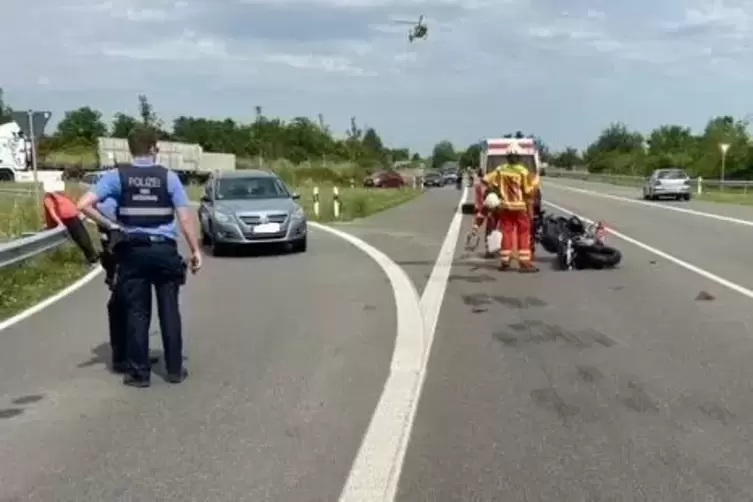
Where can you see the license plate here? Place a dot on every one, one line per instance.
(267, 228)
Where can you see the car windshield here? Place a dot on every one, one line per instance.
(672, 174)
(494, 161)
(251, 188)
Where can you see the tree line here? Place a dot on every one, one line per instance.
(620, 150)
(298, 140)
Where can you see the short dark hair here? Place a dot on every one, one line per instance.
(142, 141)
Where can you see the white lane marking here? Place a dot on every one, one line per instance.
(694, 212)
(34, 309)
(375, 474)
(373, 466)
(658, 252)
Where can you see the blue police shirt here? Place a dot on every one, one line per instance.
(108, 208)
(108, 187)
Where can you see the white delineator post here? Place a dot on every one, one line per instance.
(724, 148)
(316, 201)
(700, 185)
(336, 202)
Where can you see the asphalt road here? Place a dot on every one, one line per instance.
(287, 356)
(615, 385)
(592, 386)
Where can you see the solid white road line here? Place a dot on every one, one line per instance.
(11, 321)
(373, 467)
(727, 219)
(375, 474)
(658, 252)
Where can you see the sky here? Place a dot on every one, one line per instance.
(562, 69)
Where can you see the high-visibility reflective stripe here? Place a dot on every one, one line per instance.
(146, 211)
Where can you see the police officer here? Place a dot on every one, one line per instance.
(151, 204)
(116, 311)
(116, 319)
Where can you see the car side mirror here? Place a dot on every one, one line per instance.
(295, 196)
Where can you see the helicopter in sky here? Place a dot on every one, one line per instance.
(419, 30)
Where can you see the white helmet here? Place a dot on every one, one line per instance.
(492, 201)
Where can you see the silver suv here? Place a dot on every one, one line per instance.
(245, 208)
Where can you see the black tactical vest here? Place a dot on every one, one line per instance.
(144, 199)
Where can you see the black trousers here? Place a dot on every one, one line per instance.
(141, 266)
(79, 235)
(116, 317)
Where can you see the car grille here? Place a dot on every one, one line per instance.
(273, 218)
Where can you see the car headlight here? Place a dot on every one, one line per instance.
(298, 213)
(222, 217)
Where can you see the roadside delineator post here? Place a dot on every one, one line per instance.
(316, 201)
(336, 202)
(700, 185)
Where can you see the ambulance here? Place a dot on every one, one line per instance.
(494, 154)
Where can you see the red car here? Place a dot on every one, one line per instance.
(386, 179)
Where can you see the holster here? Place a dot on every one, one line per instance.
(183, 272)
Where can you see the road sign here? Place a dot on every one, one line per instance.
(32, 123)
(723, 147)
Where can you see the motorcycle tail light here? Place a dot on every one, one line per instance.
(601, 230)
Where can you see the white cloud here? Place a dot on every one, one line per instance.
(562, 68)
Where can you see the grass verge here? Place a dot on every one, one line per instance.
(30, 281)
(355, 202)
(730, 195)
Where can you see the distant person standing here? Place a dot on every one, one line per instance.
(148, 198)
(59, 210)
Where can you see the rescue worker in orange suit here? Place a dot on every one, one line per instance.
(515, 193)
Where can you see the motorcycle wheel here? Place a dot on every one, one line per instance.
(599, 256)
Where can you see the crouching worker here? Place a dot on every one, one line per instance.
(59, 209)
(515, 193)
(479, 211)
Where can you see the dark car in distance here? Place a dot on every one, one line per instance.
(384, 179)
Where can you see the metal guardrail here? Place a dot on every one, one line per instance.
(26, 247)
(23, 248)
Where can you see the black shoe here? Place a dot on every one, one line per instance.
(120, 368)
(135, 381)
(177, 377)
(504, 267)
